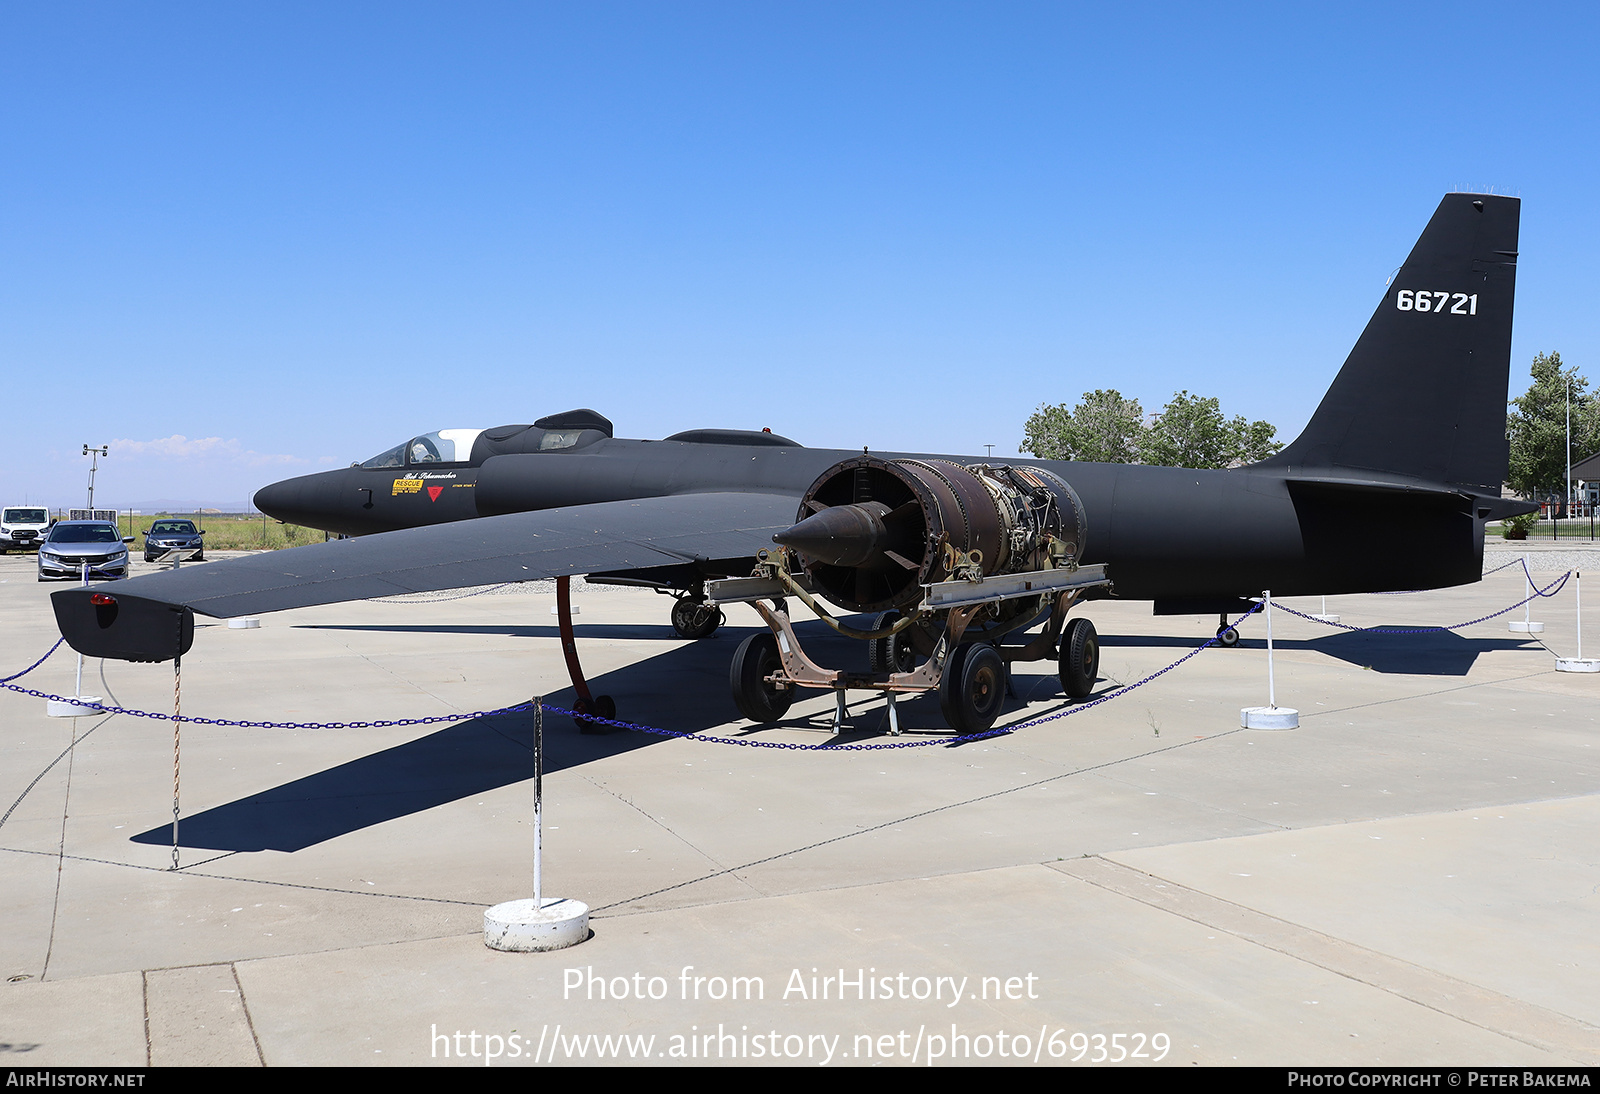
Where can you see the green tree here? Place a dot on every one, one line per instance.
(1104, 428)
(1190, 431)
(1537, 426)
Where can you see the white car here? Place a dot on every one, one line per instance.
(83, 548)
(22, 527)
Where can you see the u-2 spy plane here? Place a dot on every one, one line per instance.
(946, 555)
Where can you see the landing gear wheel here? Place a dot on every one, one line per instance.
(602, 706)
(1227, 637)
(973, 688)
(694, 619)
(891, 654)
(1079, 659)
(755, 660)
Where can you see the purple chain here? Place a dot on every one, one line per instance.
(36, 664)
(1549, 590)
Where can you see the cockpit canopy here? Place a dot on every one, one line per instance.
(570, 429)
(442, 446)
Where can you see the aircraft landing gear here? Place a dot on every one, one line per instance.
(693, 618)
(601, 706)
(1079, 659)
(1227, 636)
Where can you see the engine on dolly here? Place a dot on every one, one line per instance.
(871, 532)
(935, 548)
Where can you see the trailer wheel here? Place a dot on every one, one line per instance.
(1079, 659)
(891, 654)
(973, 688)
(755, 660)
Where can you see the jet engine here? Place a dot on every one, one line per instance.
(871, 532)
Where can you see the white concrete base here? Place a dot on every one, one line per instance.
(1269, 718)
(557, 611)
(66, 708)
(1577, 664)
(244, 623)
(1325, 617)
(518, 927)
(1519, 626)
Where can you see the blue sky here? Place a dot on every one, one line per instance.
(246, 241)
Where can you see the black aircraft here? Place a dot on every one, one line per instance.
(1409, 442)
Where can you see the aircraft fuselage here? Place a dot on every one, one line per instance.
(1167, 534)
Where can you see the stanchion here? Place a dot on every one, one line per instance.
(1527, 624)
(77, 706)
(1578, 663)
(1271, 716)
(1324, 616)
(529, 926)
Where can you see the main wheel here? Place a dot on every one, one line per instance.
(755, 660)
(1079, 658)
(1227, 637)
(694, 619)
(973, 688)
(891, 654)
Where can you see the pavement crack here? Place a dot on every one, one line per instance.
(1424, 694)
(244, 1005)
(910, 817)
(665, 827)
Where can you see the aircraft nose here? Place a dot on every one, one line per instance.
(310, 500)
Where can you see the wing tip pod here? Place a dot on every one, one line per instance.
(101, 622)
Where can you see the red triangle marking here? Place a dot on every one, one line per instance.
(434, 492)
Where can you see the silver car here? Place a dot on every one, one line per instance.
(73, 544)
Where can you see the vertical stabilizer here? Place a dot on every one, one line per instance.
(1423, 394)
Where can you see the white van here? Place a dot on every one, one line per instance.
(22, 527)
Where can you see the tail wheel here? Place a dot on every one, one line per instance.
(601, 706)
(1227, 637)
(973, 688)
(755, 660)
(694, 619)
(1079, 658)
(891, 654)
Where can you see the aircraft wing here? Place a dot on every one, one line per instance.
(150, 618)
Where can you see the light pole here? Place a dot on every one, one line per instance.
(90, 450)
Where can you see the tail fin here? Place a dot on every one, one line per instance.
(1423, 394)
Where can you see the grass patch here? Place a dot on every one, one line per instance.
(229, 531)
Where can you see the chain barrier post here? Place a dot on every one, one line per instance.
(1271, 716)
(1578, 663)
(78, 706)
(177, 722)
(537, 925)
(1527, 625)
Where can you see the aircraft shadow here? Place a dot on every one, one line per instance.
(1435, 653)
(683, 689)
(614, 631)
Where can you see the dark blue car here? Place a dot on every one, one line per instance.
(167, 535)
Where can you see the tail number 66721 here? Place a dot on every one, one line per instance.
(1456, 303)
